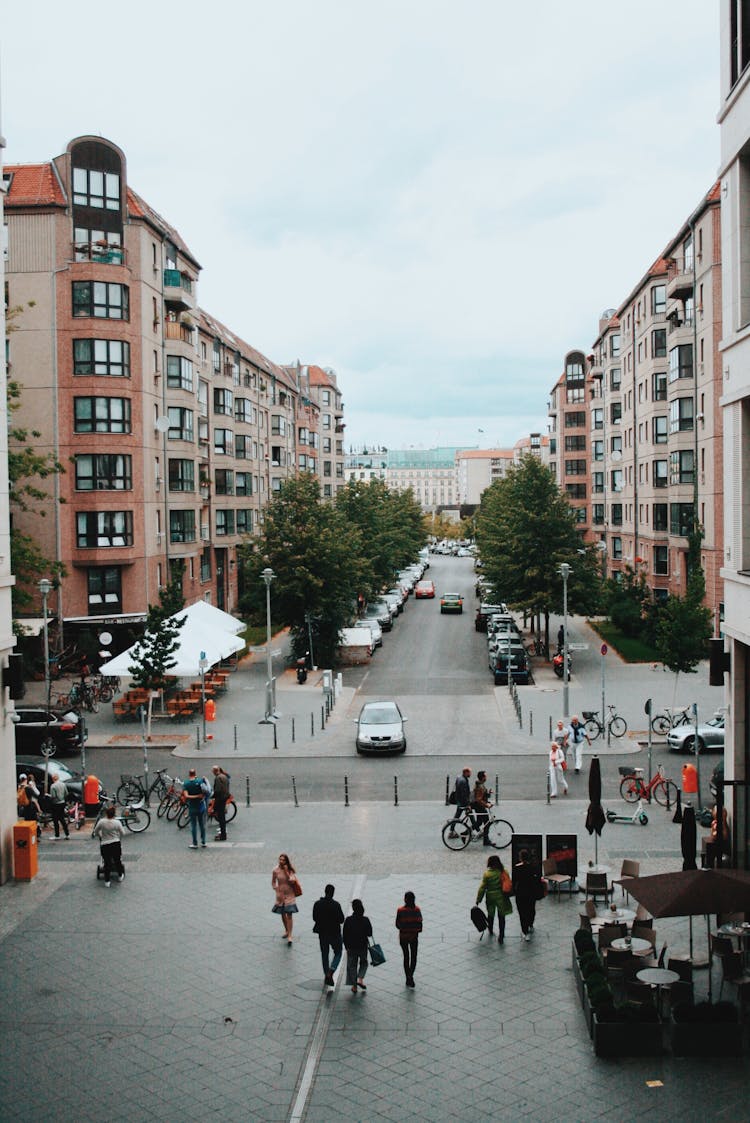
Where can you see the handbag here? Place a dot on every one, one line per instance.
(542, 889)
(564, 764)
(506, 883)
(377, 955)
(296, 887)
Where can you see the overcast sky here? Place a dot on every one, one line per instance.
(436, 200)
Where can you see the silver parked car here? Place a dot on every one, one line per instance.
(710, 736)
(380, 728)
(374, 628)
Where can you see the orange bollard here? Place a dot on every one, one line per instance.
(689, 779)
(210, 710)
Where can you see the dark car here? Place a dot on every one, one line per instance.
(483, 614)
(451, 602)
(36, 767)
(35, 723)
(519, 666)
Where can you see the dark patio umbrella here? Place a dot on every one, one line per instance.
(595, 818)
(688, 838)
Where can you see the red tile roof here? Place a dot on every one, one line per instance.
(320, 377)
(139, 208)
(212, 326)
(33, 185)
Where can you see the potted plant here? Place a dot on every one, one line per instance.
(706, 1030)
(597, 994)
(630, 1030)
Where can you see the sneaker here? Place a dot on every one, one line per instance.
(526, 936)
(203, 844)
(107, 884)
(578, 771)
(329, 978)
(193, 846)
(122, 876)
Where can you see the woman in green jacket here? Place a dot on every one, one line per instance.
(496, 886)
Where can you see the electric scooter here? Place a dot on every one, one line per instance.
(639, 816)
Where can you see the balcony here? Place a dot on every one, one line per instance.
(679, 328)
(680, 284)
(99, 253)
(181, 332)
(178, 290)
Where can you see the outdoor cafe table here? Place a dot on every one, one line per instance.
(619, 916)
(659, 977)
(740, 930)
(634, 944)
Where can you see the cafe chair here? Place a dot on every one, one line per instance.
(681, 967)
(644, 923)
(644, 934)
(662, 956)
(721, 945)
(616, 964)
(629, 869)
(589, 908)
(732, 971)
(639, 993)
(584, 922)
(555, 879)
(608, 933)
(597, 886)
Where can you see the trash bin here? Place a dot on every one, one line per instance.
(25, 851)
(210, 710)
(689, 779)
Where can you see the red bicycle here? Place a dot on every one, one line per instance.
(633, 787)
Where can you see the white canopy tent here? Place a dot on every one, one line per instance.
(193, 639)
(212, 617)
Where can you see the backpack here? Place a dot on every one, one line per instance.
(22, 798)
(452, 798)
(205, 787)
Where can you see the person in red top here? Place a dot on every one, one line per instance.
(409, 924)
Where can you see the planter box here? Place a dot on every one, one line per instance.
(627, 1039)
(706, 1039)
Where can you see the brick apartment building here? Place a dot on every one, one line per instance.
(172, 430)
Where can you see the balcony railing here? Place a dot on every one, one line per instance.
(99, 254)
(182, 332)
(174, 279)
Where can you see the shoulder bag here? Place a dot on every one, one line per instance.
(377, 955)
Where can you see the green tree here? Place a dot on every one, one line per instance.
(683, 626)
(318, 560)
(153, 654)
(390, 525)
(525, 529)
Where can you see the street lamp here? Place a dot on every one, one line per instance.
(564, 572)
(45, 588)
(268, 575)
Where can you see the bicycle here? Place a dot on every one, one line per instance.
(134, 816)
(132, 789)
(171, 801)
(183, 815)
(633, 787)
(105, 687)
(458, 833)
(84, 696)
(670, 719)
(594, 726)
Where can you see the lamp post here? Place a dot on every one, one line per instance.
(45, 588)
(564, 572)
(308, 621)
(268, 575)
(202, 667)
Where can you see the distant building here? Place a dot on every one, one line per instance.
(365, 466)
(477, 468)
(431, 474)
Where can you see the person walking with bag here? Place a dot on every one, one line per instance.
(357, 932)
(496, 887)
(328, 917)
(557, 768)
(286, 884)
(527, 886)
(409, 924)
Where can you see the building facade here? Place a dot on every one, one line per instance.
(366, 465)
(477, 469)
(173, 431)
(429, 472)
(569, 438)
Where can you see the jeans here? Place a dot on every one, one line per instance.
(330, 943)
(409, 950)
(198, 821)
(356, 964)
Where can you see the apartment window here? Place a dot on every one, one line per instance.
(326, 420)
(275, 485)
(597, 516)
(223, 442)
(101, 356)
(224, 481)
(326, 467)
(617, 548)
(617, 514)
(574, 394)
(659, 386)
(615, 444)
(615, 378)
(615, 412)
(224, 523)
(681, 518)
(181, 475)
(96, 189)
(681, 412)
(658, 300)
(242, 448)
(180, 423)
(216, 356)
(659, 343)
(659, 430)
(615, 477)
(598, 483)
(682, 467)
(598, 418)
(302, 432)
(278, 425)
(103, 472)
(243, 483)
(575, 420)
(660, 473)
(326, 444)
(102, 246)
(661, 561)
(598, 450)
(104, 528)
(101, 415)
(102, 300)
(659, 517)
(575, 467)
(224, 402)
(179, 373)
(340, 471)
(206, 563)
(182, 526)
(244, 521)
(104, 590)
(681, 362)
(311, 464)
(243, 410)
(687, 252)
(575, 491)
(327, 492)
(614, 345)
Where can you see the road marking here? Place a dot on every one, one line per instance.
(319, 1033)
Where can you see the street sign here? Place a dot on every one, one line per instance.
(578, 647)
(647, 707)
(604, 649)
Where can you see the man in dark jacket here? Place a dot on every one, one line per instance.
(463, 794)
(220, 795)
(328, 918)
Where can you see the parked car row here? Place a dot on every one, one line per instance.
(381, 612)
(506, 652)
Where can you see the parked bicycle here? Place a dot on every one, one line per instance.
(633, 787)
(83, 695)
(183, 815)
(134, 816)
(458, 833)
(616, 726)
(171, 801)
(670, 719)
(105, 686)
(132, 788)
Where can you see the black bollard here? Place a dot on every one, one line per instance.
(346, 791)
(294, 789)
(678, 808)
(395, 791)
(292, 730)
(247, 790)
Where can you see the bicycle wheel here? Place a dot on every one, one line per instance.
(618, 727)
(129, 792)
(630, 789)
(500, 833)
(137, 819)
(231, 811)
(163, 807)
(106, 693)
(456, 835)
(592, 728)
(175, 806)
(665, 793)
(183, 816)
(661, 724)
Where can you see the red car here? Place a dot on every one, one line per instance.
(424, 589)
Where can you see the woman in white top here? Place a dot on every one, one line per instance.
(556, 771)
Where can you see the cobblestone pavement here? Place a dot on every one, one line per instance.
(172, 995)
